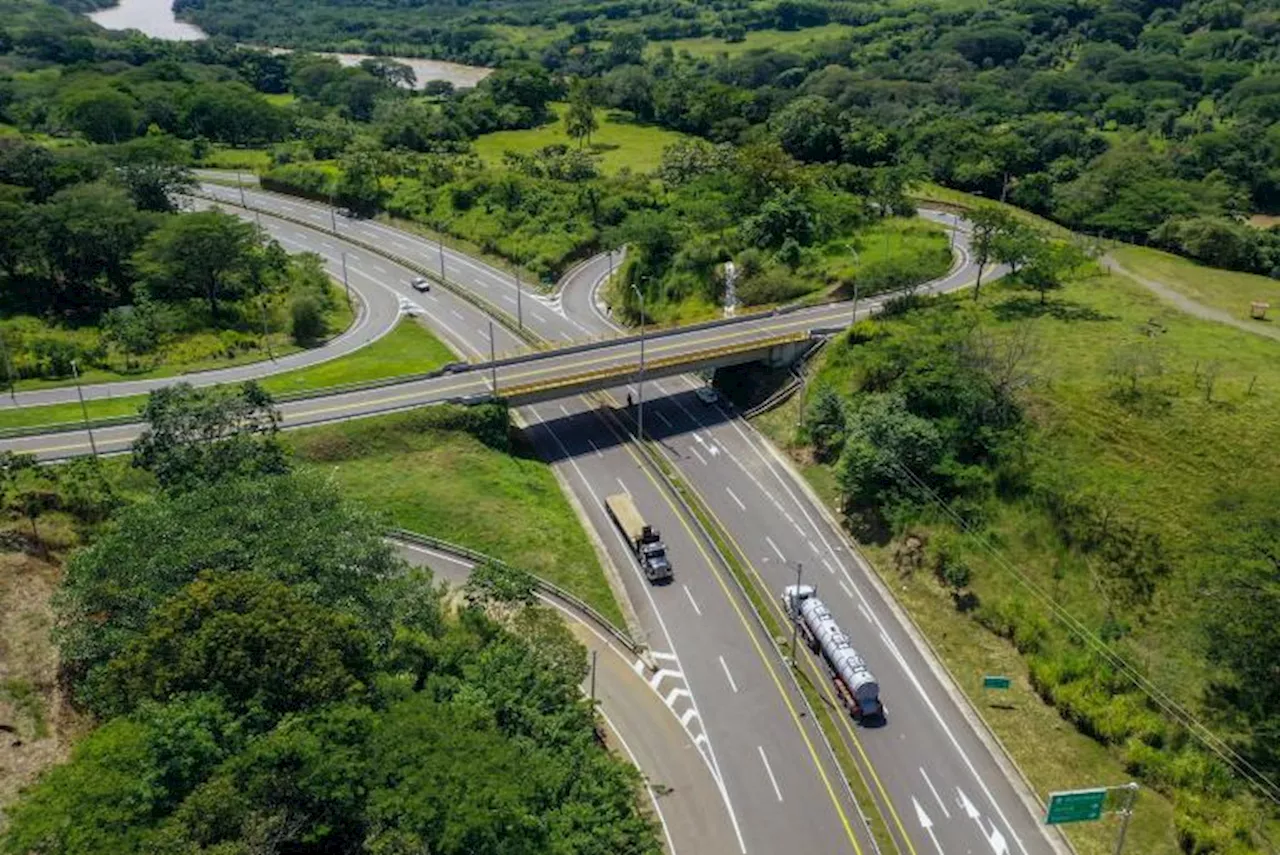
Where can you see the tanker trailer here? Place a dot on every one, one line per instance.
(855, 685)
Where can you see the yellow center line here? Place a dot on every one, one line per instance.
(764, 658)
(825, 684)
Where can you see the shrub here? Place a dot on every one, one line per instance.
(771, 286)
(306, 321)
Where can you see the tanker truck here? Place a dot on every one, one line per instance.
(855, 685)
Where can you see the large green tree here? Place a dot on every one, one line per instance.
(196, 437)
(208, 255)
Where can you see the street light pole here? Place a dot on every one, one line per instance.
(640, 384)
(857, 259)
(493, 361)
(795, 613)
(594, 654)
(345, 283)
(519, 302)
(240, 185)
(8, 368)
(84, 410)
(440, 247)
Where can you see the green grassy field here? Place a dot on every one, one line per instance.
(797, 40)
(249, 159)
(1227, 290)
(1166, 466)
(449, 485)
(619, 142)
(408, 349)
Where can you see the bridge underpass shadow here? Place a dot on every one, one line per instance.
(561, 435)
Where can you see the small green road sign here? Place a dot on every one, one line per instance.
(1075, 806)
(991, 681)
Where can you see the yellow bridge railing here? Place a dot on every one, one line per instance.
(626, 370)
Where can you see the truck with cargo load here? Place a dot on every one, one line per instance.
(642, 538)
(855, 685)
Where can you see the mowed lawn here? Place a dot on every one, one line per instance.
(782, 40)
(1228, 290)
(619, 141)
(448, 484)
(408, 349)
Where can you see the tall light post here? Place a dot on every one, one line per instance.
(795, 614)
(240, 185)
(8, 368)
(333, 215)
(857, 259)
(519, 301)
(84, 410)
(493, 361)
(440, 249)
(640, 384)
(345, 283)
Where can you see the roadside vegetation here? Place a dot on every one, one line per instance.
(408, 349)
(1113, 453)
(463, 714)
(456, 474)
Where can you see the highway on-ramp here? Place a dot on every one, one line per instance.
(935, 779)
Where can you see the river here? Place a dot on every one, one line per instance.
(155, 18)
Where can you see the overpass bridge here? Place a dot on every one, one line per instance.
(526, 378)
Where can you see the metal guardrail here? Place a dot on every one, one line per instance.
(542, 585)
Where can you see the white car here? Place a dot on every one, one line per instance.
(707, 395)
(420, 284)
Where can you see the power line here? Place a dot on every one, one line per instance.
(1180, 714)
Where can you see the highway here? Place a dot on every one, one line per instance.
(936, 782)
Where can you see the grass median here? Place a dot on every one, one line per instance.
(408, 349)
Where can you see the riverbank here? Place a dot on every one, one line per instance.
(155, 18)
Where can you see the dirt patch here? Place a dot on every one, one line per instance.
(37, 725)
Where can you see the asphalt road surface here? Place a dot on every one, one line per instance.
(935, 781)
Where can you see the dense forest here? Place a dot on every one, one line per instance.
(1143, 121)
(271, 677)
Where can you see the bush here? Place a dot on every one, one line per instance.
(773, 285)
(299, 180)
(306, 321)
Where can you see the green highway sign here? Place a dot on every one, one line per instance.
(1075, 806)
(992, 682)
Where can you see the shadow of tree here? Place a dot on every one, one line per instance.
(1025, 308)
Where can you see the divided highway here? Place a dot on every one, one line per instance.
(936, 781)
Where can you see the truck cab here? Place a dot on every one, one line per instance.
(653, 558)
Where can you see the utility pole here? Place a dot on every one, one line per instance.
(1125, 815)
(594, 654)
(345, 283)
(84, 410)
(266, 336)
(493, 361)
(853, 318)
(795, 614)
(519, 302)
(640, 384)
(8, 368)
(440, 246)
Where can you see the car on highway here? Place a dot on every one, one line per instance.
(420, 284)
(707, 395)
